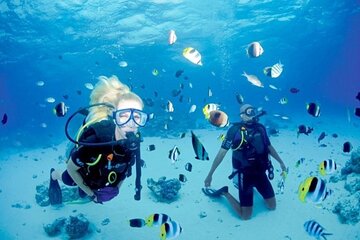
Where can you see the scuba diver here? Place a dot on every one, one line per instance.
(107, 145)
(251, 148)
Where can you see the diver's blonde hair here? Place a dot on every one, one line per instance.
(112, 91)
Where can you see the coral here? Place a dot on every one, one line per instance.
(353, 164)
(55, 228)
(348, 209)
(75, 227)
(352, 183)
(164, 190)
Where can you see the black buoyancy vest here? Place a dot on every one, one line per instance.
(249, 146)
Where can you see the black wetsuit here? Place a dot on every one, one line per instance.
(250, 160)
(114, 164)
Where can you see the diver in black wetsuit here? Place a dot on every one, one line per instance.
(250, 159)
(99, 169)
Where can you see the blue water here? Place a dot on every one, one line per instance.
(68, 44)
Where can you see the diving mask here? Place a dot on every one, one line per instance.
(123, 116)
(250, 112)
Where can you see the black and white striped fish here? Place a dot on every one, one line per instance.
(274, 71)
(313, 228)
(174, 154)
(199, 149)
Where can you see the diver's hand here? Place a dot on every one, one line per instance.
(208, 180)
(94, 199)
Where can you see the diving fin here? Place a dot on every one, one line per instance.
(215, 193)
(55, 195)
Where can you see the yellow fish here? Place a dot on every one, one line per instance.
(327, 167)
(208, 108)
(314, 190)
(192, 55)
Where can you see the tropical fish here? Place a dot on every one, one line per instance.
(221, 137)
(157, 219)
(192, 108)
(192, 55)
(327, 167)
(314, 229)
(60, 109)
(137, 222)
(210, 92)
(321, 137)
(283, 101)
(208, 108)
(314, 190)
(273, 87)
(347, 147)
(4, 119)
(254, 50)
(199, 149)
(179, 73)
(239, 98)
(89, 86)
(155, 72)
(219, 118)
(174, 154)
(172, 37)
(169, 106)
(254, 80)
(40, 83)
(50, 100)
(313, 109)
(151, 147)
(170, 230)
(182, 178)
(188, 167)
(123, 64)
(300, 161)
(302, 129)
(274, 71)
(294, 90)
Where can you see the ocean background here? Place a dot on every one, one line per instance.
(67, 44)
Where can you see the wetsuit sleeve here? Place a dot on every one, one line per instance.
(227, 143)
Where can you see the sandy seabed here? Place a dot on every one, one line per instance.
(21, 172)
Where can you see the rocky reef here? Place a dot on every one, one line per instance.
(348, 207)
(164, 190)
(75, 227)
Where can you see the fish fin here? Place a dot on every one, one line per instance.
(326, 234)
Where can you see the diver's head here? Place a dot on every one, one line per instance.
(128, 115)
(248, 113)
